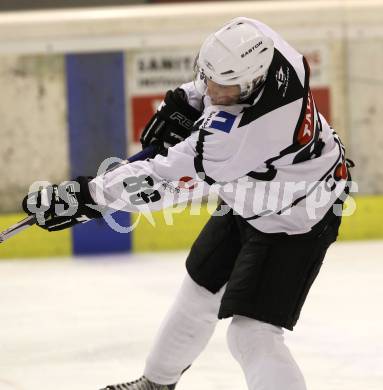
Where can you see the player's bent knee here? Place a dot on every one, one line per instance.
(198, 302)
(247, 336)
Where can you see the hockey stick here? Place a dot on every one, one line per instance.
(18, 227)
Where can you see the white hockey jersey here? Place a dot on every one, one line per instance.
(274, 159)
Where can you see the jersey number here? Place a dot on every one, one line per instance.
(137, 183)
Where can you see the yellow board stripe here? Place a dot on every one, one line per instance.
(33, 242)
(365, 223)
(172, 231)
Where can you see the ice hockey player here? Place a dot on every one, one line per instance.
(247, 126)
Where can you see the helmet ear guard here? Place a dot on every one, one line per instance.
(200, 80)
(237, 54)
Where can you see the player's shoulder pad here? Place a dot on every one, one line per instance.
(283, 86)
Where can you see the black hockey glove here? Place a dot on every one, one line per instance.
(172, 123)
(60, 207)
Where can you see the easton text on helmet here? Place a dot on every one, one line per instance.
(251, 49)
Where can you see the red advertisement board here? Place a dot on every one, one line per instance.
(322, 100)
(143, 107)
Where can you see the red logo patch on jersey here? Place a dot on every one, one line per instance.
(187, 183)
(341, 171)
(306, 131)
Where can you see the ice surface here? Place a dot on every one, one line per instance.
(83, 324)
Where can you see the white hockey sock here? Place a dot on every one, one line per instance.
(265, 360)
(184, 332)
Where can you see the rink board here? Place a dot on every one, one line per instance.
(34, 50)
(365, 223)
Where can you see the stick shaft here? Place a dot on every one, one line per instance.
(17, 227)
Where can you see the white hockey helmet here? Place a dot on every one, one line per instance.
(237, 54)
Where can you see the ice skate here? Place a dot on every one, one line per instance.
(140, 384)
